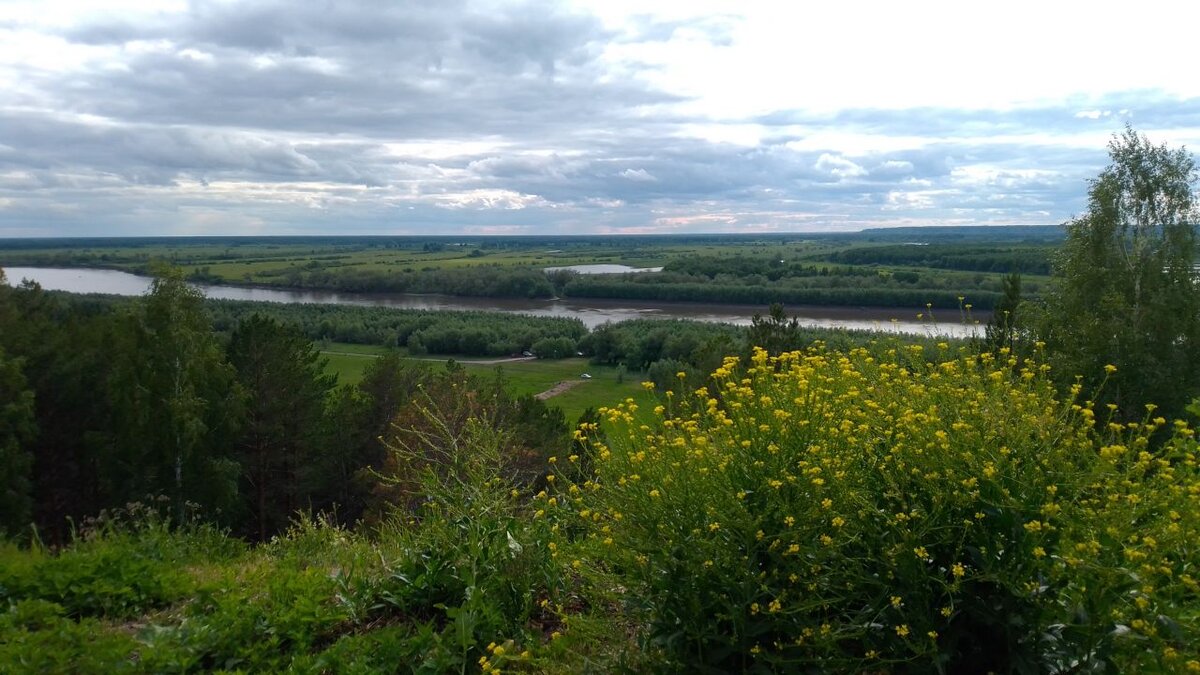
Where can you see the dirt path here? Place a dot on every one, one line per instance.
(482, 362)
(557, 389)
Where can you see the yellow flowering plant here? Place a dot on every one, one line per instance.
(882, 507)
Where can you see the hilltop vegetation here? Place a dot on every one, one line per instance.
(957, 514)
(778, 500)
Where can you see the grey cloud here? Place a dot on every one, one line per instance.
(155, 154)
(303, 106)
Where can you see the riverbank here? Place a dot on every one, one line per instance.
(592, 312)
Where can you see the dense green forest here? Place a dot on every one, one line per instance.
(477, 281)
(133, 399)
(419, 331)
(1027, 259)
(880, 291)
(186, 489)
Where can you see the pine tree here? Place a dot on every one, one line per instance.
(283, 376)
(17, 427)
(1001, 331)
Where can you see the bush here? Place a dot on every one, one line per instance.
(554, 348)
(35, 637)
(122, 564)
(856, 512)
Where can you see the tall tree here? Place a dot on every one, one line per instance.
(775, 332)
(175, 402)
(1001, 331)
(67, 351)
(359, 418)
(1125, 290)
(17, 427)
(283, 376)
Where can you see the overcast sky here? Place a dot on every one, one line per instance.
(129, 117)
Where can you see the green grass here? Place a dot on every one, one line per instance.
(348, 367)
(603, 389)
(349, 361)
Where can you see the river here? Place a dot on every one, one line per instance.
(591, 312)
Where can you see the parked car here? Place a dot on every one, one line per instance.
(586, 376)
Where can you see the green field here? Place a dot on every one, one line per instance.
(521, 377)
(277, 261)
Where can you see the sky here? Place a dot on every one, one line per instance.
(212, 117)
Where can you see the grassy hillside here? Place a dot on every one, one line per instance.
(875, 511)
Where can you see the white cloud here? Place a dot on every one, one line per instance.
(838, 166)
(913, 200)
(640, 175)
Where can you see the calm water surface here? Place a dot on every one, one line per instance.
(591, 312)
(603, 268)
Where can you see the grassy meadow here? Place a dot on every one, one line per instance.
(349, 361)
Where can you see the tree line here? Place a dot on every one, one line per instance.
(105, 403)
(878, 291)
(489, 281)
(467, 333)
(1035, 259)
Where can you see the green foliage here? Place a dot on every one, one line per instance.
(36, 637)
(886, 513)
(122, 565)
(443, 410)
(389, 649)
(1125, 291)
(641, 342)
(490, 281)
(1001, 330)
(994, 257)
(281, 438)
(175, 403)
(432, 331)
(17, 427)
(554, 348)
(665, 373)
(63, 348)
(109, 580)
(878, 291)
(255, 619)
(473, 554)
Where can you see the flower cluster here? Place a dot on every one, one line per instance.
(885, 505)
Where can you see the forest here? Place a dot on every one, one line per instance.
(185, 488)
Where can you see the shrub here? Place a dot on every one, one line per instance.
(255, 617)
(892, 513)
(35, 637)
(117, 575)
(554, 348)
(470, 560)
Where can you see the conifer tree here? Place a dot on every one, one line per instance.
(1001, 331)
(17, 427)
(283, 376)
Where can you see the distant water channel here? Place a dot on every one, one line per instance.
(603, 268)
(591, 312)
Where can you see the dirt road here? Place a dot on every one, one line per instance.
(557, 389)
